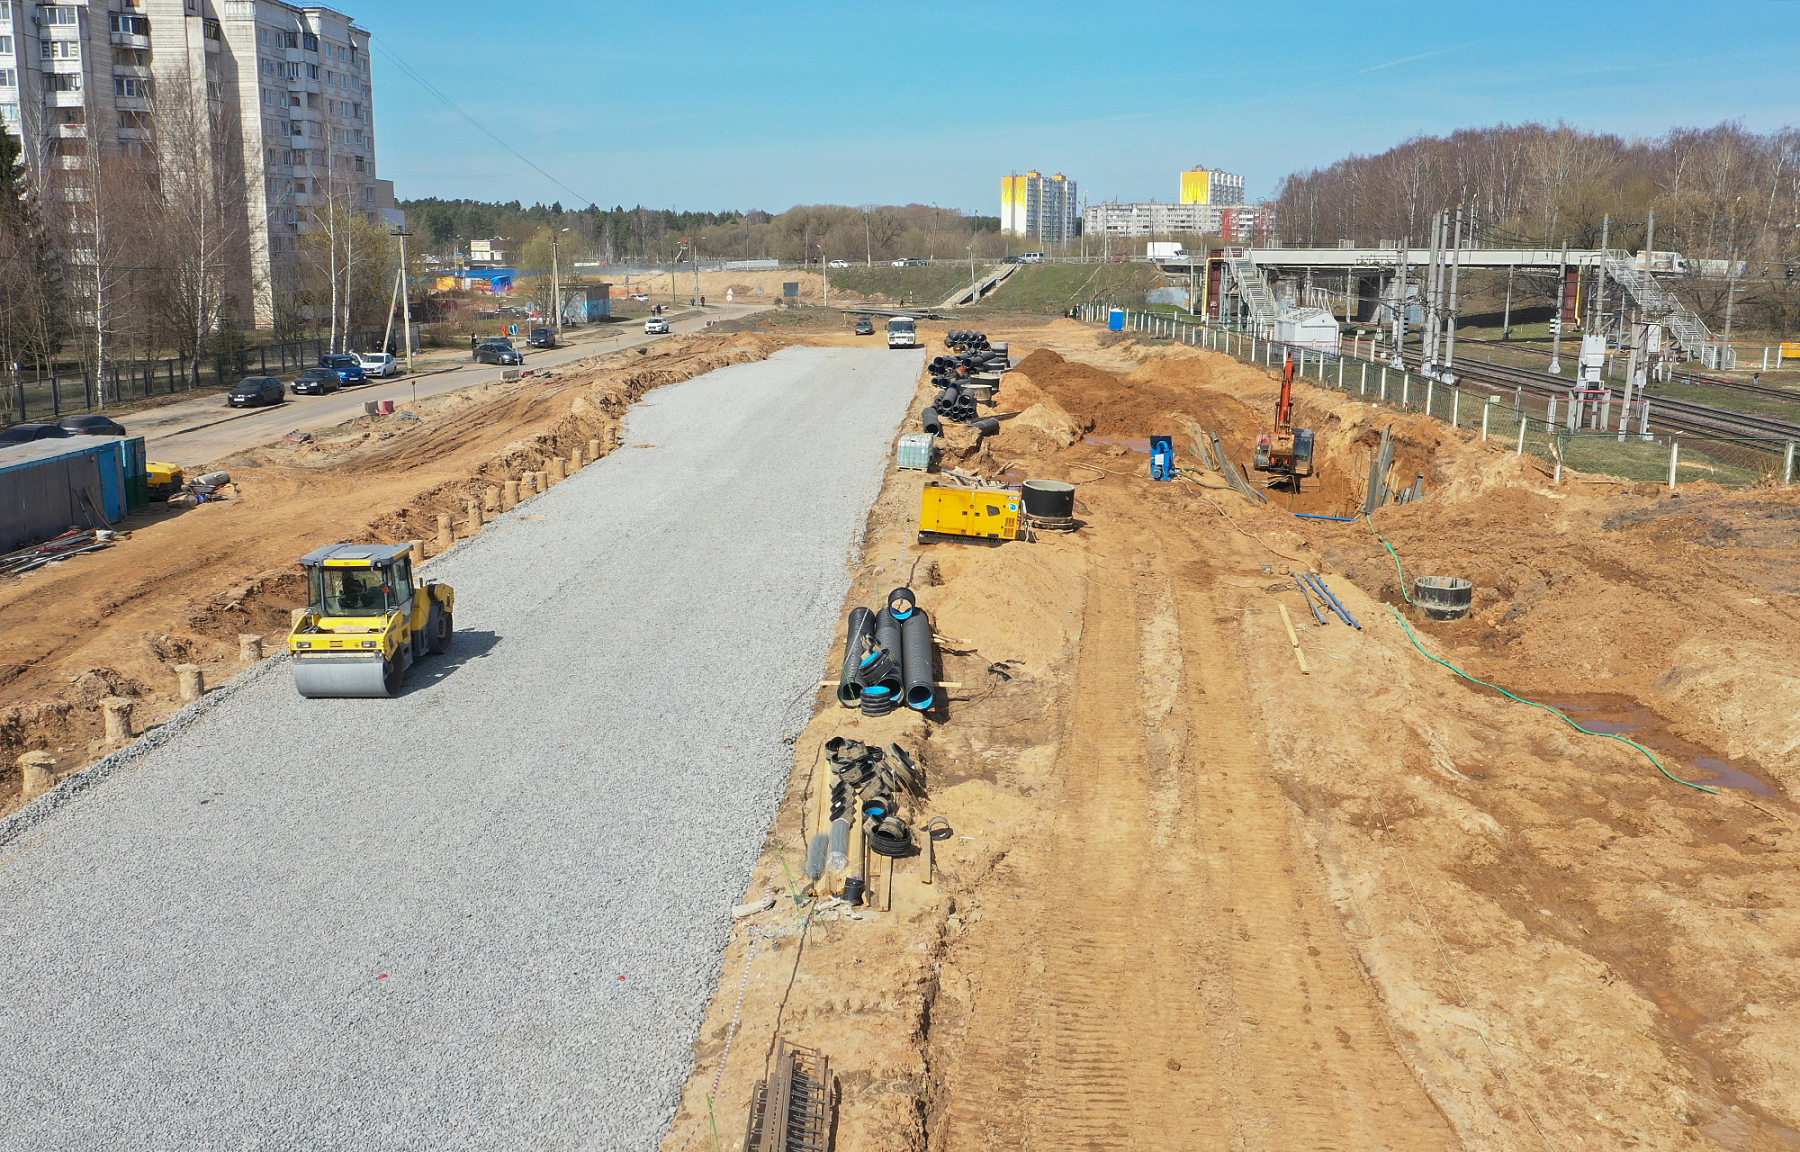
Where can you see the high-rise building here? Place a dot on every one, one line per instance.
(1042, 207)
(1200, 185)
(286, 93)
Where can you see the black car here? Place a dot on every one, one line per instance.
(348, 368)
(492, 353)
(92, 426)
(542, 338)
(252, 391)
(317, 382)
(26, 433)
(865, 327)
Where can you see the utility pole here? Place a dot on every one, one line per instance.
(556, 280)
(1556, 318)
(1598, 313)
(1401, 258)
(406, 318)
(1449, 375)
(825, 273)
(1506, 316)
(1433, 285)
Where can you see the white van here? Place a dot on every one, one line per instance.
(1031, 258)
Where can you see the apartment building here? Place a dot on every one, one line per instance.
(1203, 185)
(1041, 207)
(1153, 219)
(288, 90)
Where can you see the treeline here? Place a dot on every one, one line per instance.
(624, 235)
(1720, 193)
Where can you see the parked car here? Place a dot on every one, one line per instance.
(865, 326)
(316, 382)
(656, 326)
(1031, 258)
(911, 262)
(26, 433)
(92, 426)
(348, 368)
(378, 363)
(639, 296)
(253, 391)
(1011, 260)
(494, 352)
(542, 338)
(838, 264)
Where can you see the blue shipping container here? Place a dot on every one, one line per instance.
(50, 486)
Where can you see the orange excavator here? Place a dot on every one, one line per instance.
(1286, 451)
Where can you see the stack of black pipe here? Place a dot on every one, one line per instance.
(889, 660)
(964, 341)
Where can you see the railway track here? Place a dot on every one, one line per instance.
(1692, 378)
(1665, 414)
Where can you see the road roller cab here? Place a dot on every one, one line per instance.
(367, 619)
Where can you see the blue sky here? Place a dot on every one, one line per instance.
(724, 106)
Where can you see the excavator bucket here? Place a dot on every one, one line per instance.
(327, 677)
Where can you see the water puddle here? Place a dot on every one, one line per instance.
(1623, 716)
(1141, 445)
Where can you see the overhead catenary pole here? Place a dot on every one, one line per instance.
(1433, 283)
(1506, 316)
(1400, 260)
(1449, 376)
(1556, 319)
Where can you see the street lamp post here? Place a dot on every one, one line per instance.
(971, 263)
(405, 295)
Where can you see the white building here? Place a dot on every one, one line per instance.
(1153, 219)
(1042, 207)
(79, 80)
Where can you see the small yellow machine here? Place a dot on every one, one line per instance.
(366, 621)
(165, 480)
(968, 515)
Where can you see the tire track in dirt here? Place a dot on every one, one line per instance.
(1156, 982)
(1304, 1040)
(1093, 1037)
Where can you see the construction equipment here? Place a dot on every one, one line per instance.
(165, 480)
(968, 515)
(1286, 451)
(367, 620)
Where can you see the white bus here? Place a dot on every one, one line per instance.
(901, 333)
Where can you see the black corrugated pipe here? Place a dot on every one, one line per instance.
(987, 426)
(862, 626)
(932, 422)
(883, 696)
(900, 603)
(916, 662)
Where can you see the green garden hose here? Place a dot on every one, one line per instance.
(1396, 557)
(1535, 704)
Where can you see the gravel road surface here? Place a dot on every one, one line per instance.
(487, 914)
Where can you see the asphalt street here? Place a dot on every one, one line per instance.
(203, 429)
(487, 914)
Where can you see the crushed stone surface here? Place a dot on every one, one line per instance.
(487, 914)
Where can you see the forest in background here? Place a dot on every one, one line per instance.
(625, 235)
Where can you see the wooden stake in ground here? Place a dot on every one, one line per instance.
(1294, 639)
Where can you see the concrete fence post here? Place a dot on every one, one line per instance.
(192, 680)
(418, 550)
(593, 450)
(559, 469)
(575, 461)
(475, 516)
(1486, 409)
(1455, 407)
(446, 532)
(1405, 389)
(118, 719)
(249, 648)
(1674, 458)
(1787, 464)
(34, 772)
(510, 498)
(1524, 422)
(295, 615)
(1362, 382)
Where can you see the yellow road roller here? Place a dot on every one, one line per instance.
(366, 621)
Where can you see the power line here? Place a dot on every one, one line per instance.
(423, 83)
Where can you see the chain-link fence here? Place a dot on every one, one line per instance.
(49, 397)
(1563, 435)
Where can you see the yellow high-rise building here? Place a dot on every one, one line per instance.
(1201, 185)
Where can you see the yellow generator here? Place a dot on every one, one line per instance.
(165, 480)
(366, 621)
(968, 515)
